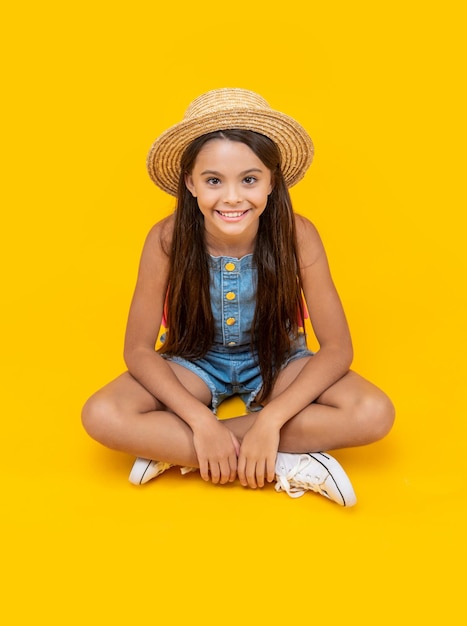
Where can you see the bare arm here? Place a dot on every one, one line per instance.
(216, 447)
(260, 444)
(328, 320)
(144, 321)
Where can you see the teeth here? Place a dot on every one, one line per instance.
(236, 214)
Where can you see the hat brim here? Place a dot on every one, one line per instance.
(294, 143)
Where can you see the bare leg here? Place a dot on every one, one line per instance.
(352, 412)
(125, 416)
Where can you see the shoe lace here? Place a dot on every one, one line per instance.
(186, 470)
(296, 481)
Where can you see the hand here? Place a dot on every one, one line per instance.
(258, 452)
(217, 449)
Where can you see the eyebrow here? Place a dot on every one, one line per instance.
(244, 173)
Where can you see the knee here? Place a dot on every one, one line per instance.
(376, 412)
(97, 416)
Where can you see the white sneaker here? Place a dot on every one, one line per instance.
(144, 470)
(317, 471)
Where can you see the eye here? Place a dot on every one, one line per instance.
(213, 181)
(249, 180)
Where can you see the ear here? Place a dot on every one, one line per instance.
(189, 184)
(271, 186)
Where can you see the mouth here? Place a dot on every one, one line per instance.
(231, 215)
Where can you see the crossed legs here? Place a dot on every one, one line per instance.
(125, 416)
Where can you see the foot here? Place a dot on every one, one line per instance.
(144, 470)
(313, 471)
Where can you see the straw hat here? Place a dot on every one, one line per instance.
(223, 109)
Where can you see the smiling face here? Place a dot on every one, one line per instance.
(231, 185)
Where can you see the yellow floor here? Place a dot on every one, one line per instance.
(86, 90)
(80, 541)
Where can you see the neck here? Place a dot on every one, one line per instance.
(232, 246)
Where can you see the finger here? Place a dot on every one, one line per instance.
(241, 471)
(250, 474)
(233, 468)
(204, 469)
(215, 472)
(224, 471)
(271, 469)
(260, 474)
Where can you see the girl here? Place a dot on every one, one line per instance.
(231, 275)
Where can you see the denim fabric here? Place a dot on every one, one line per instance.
(230, 367)
(233, 299)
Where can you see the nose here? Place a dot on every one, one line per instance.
(232, 195)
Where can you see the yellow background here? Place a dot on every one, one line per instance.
(87, 86)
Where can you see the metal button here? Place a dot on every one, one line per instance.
(230, 295)
(230, 266)
(230, 321)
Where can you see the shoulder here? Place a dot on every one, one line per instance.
(160, 236)
(156, 249)
(309, 245)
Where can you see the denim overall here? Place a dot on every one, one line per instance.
(230, 368)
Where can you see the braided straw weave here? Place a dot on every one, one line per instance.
(223, 109)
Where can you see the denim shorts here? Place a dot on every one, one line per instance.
(234, 371)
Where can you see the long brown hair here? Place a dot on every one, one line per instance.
(190, 322)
